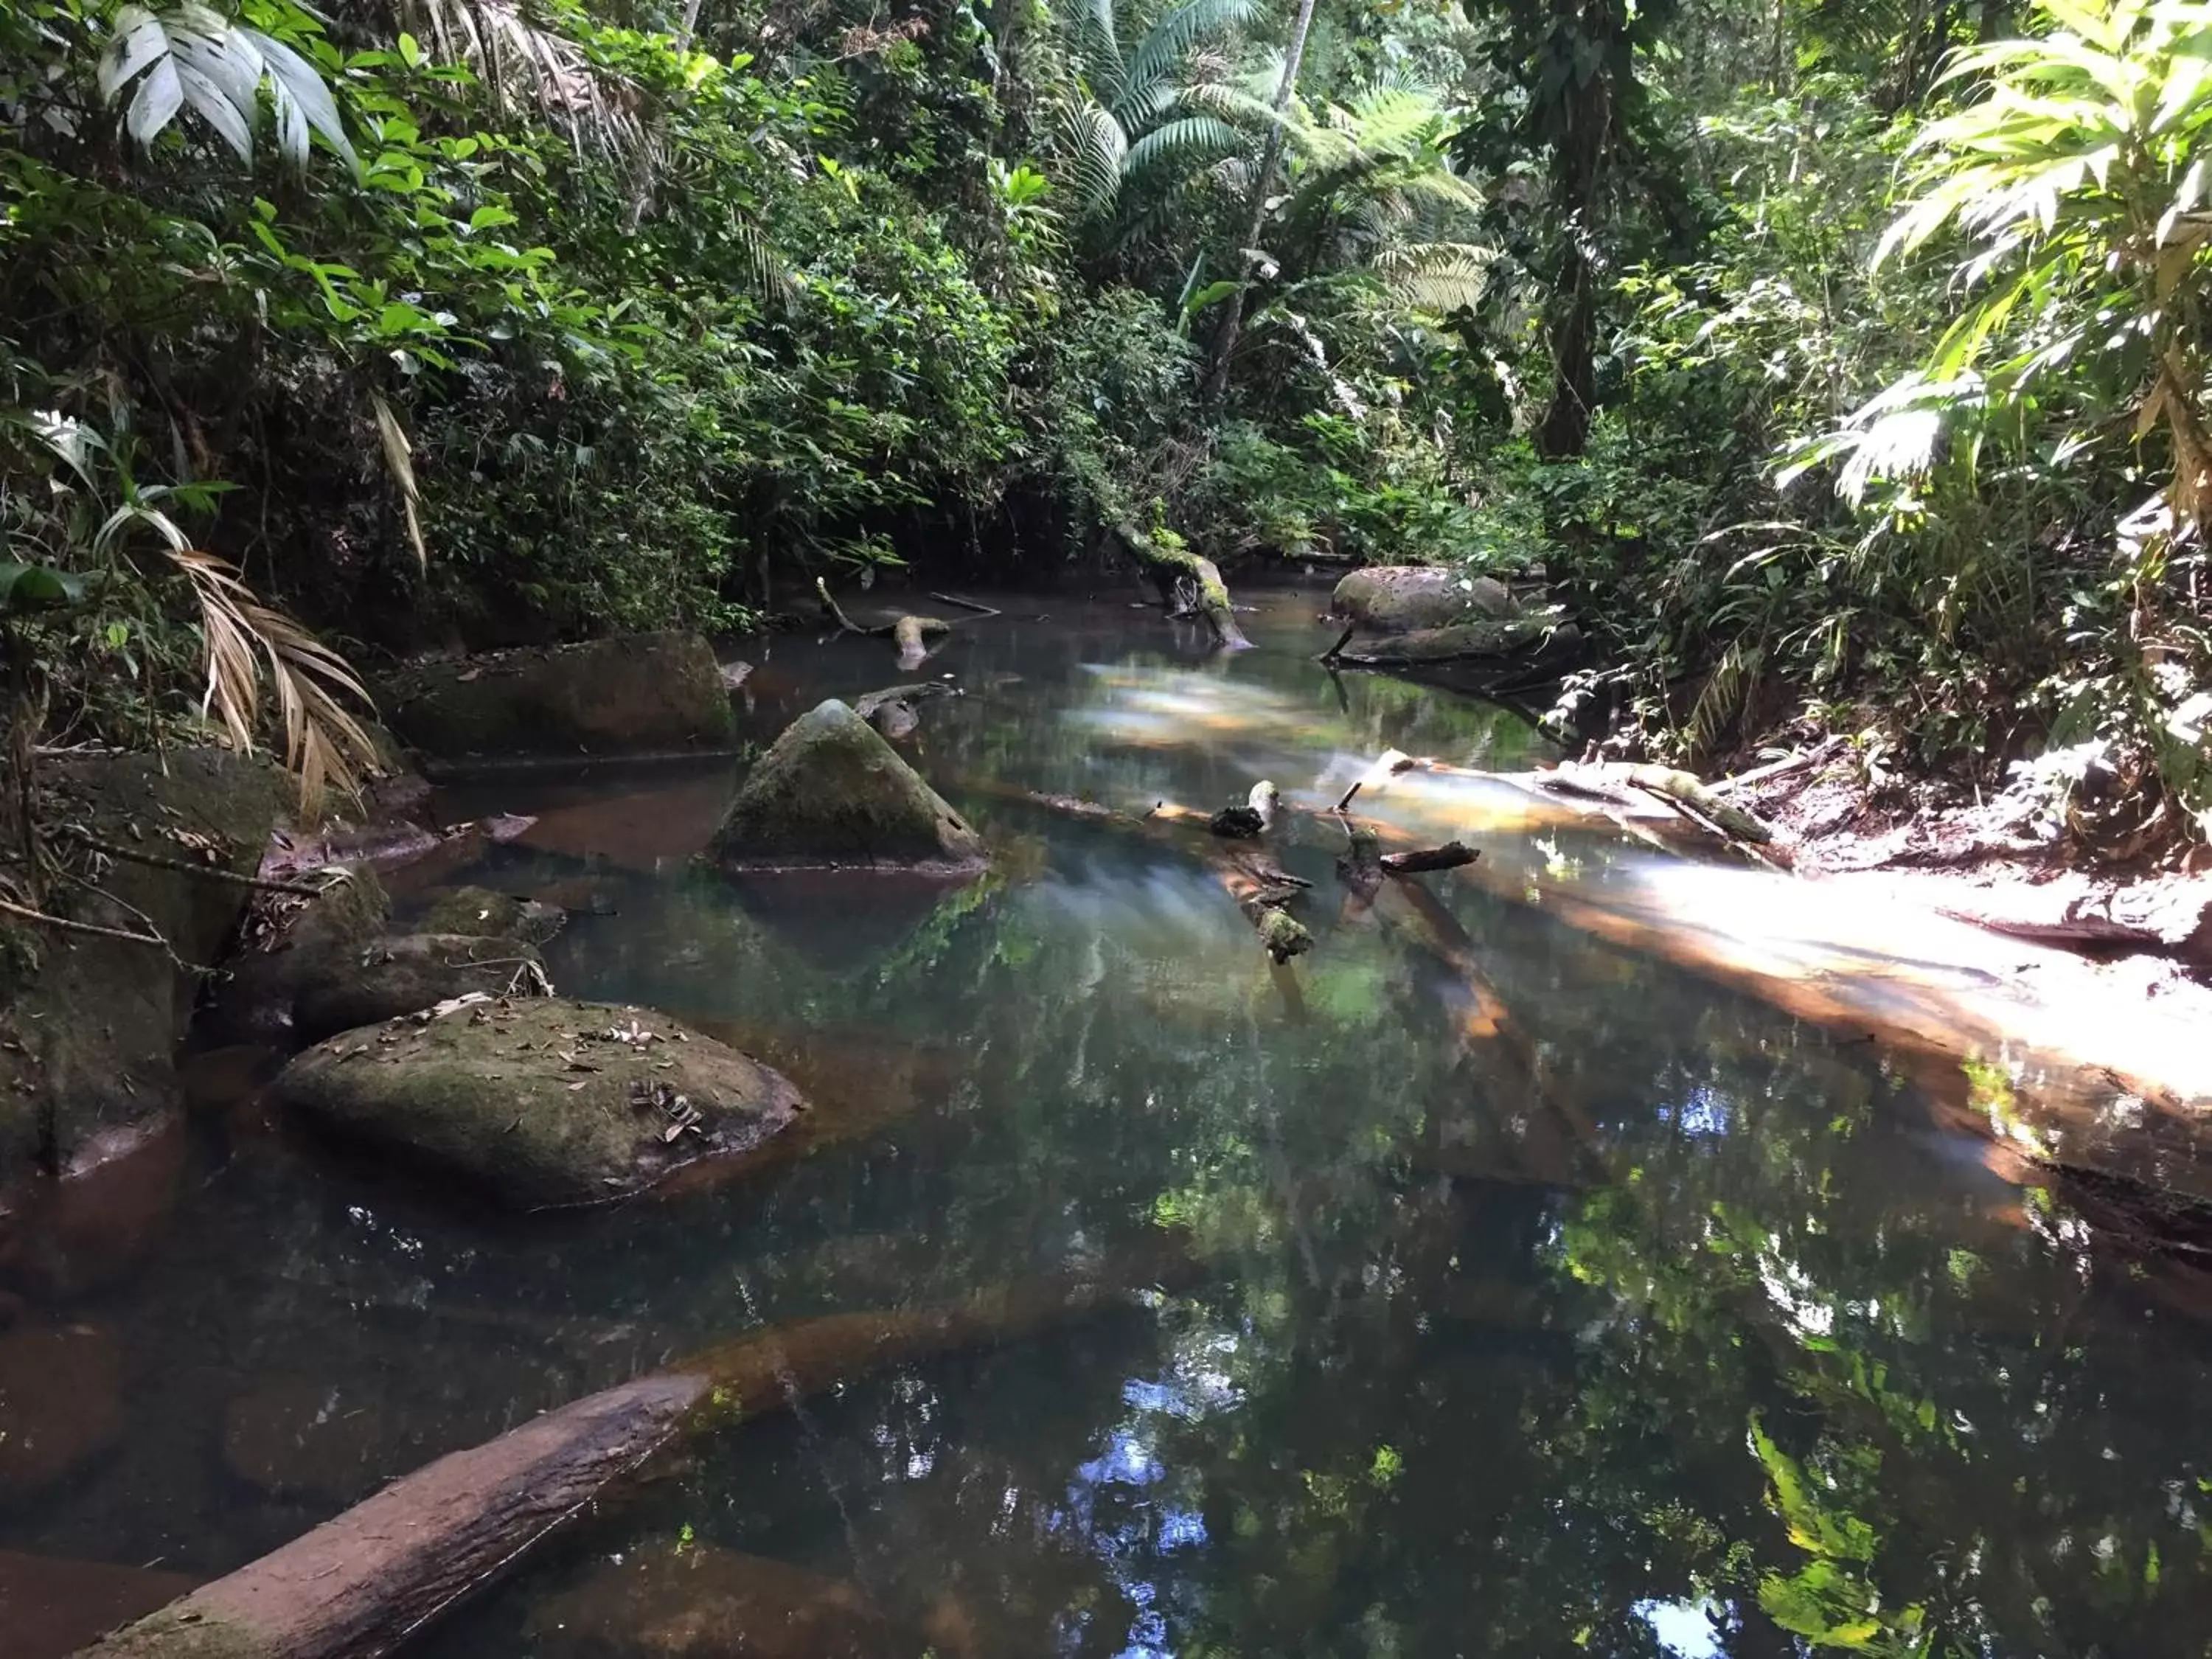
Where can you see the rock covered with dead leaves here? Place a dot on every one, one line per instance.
(543, 1101)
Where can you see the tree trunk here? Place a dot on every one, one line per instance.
(1232, 320)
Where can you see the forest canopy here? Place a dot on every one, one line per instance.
(1838, 367)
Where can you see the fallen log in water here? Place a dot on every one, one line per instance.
(912, 633)
(359, 1585)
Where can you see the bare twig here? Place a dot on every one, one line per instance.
(211, 872)
(967, 605)
(41, 919)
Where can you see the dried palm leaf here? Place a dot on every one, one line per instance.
(325, 746)
(398, 456)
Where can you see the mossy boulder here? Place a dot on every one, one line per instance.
(830, 793)
(486, 915)
(641, 694)
(543, 1101)
(292, 943)
(1401, 598)
(88, 1026)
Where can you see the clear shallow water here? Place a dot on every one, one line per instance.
(1555, 1301)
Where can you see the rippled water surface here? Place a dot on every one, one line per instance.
(1550, 1299)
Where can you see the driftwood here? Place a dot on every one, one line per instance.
(357, 1586)
(912, 633)
(1168, 566)
(1452, 855)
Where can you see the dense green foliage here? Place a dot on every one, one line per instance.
(476, 320)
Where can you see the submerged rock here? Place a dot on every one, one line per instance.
(666, 1600)
(88, 1034)
(643, 694)
(480, 913)
(61, 1405)
(544, 1102)
(51, 1605)
(831, 791)
(1400, 599)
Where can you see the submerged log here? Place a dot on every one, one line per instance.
(357, 1586)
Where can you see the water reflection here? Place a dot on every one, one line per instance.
(1555, 1300)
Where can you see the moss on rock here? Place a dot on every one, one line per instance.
(480, 912)
(543, 1101)
(89, 1029)
(1400, 599)
(831, 791)
(641, 694)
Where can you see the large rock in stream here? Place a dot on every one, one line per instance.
(831, 793)
(542, 1100)
(88, 1032)
(1420, 616)
(638, 695)
(316, 966)
(1399, 598)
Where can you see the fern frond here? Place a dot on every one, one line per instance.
(1436, 277)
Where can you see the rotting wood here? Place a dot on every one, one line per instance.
(358, 1586)
(1452, 855)
(1686, 790)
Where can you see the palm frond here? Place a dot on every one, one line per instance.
(1095, 148)
(527, 65)
(191, 58)
(1192, 140)
(326, 745)
(400, 460)
(1169, 42)
(1098, 45)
